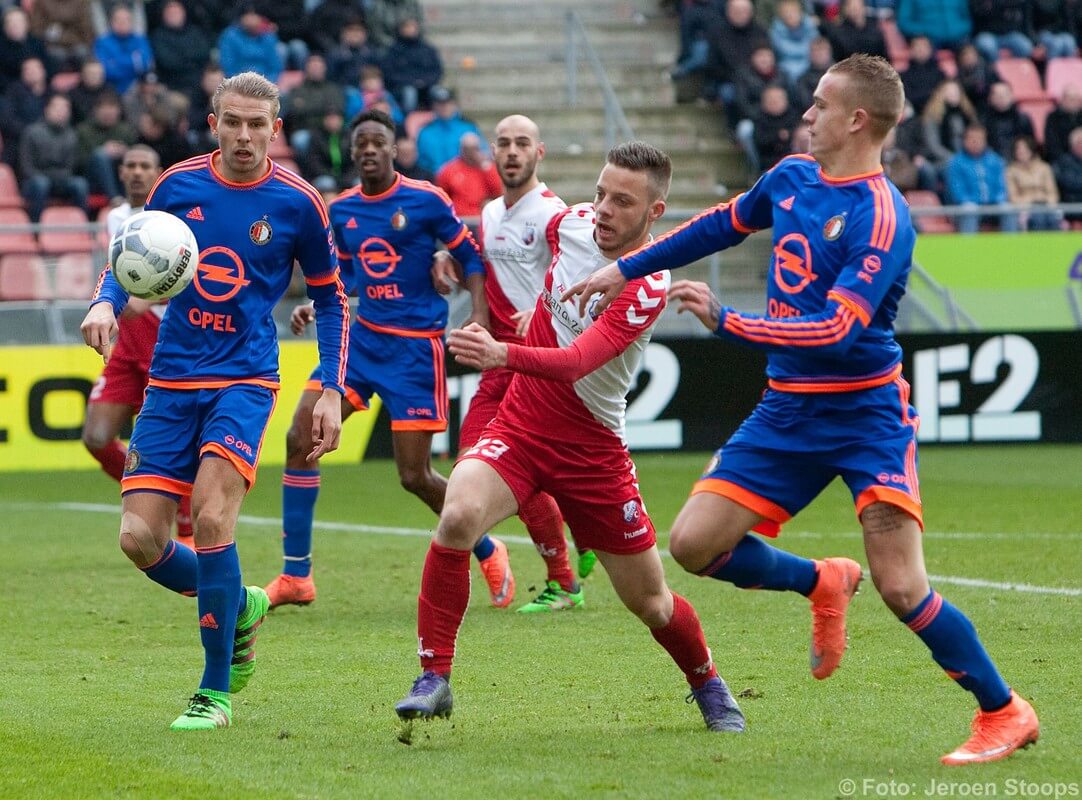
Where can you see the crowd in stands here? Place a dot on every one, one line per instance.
(82, 80)
(994, 91)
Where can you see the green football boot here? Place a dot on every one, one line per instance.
(207, 710)
(255, 611)
(586, 563)
(554, 598)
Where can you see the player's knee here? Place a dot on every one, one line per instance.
(460, 524)
(414, 479)
(900, 593)
(96, 438)
(209, 526)
(692, 548)
(655, 610)
(297, 443)
(138, 542)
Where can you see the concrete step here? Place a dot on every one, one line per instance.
(511, 54)
(553, 79)
(528, 99)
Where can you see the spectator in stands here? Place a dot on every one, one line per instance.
(1068, 171)
(405, 160)
(946, 118)
(66, 28)
(385, 18)
(210, 16)
(438, 141)
(23, 104)
(909, 137)
(750, 82)
(250, 43)
(369, 90)
(16, 45)
(103, 139)
(977, 176)
(157, 131)
(800, 139)
(731, 47)
(855, 33)
(101, 10)
(126, 55)
(199, 136)
(1002, 24)
(898, 165)
(822, 56)
(86, 92)
(791, 35)
(287, 19)
(352, 54)
(147, 94)
(699, 19)
(412, 67)
(974, 75)
(471, 179)
(327, 22)
(47, 153)
(181, 50)
(1030, 182)
(945, 22)
(1004, 121)
(306, 104)
(1058, 24)
(1065, 117)
(328, 164)
(771, 126)
(923, 74)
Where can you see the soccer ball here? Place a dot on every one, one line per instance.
(154, 255)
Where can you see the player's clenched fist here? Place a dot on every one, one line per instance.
(696, 297)
(99, 329)
(473, 346)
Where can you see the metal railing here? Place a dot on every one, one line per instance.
(615, 121)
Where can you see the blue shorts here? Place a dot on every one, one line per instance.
(793, 445)
(406, 372)
(177, 427)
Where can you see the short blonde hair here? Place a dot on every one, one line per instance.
(248, 84)
(874, 85)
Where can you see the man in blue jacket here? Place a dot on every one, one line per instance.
(126, 55)
(977, 176)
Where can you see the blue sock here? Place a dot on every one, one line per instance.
(753, 564)
(484, 548)
(951, 637)
(219, 597)
(300, 488)
(176, 570)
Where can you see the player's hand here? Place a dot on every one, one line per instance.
(696, 297)
(473, 346)
(326, 424)
(522, 321)
(302, 316)
(479, 317)
(136, 307)
(445, 272)
(607, 282)
(99, 329)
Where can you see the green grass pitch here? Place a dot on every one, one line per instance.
(96, 660)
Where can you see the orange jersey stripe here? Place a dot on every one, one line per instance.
(828, 387)
(891, 496)
(425, 186)
(770, 511)
(322, 280)
(203, 384)
(755, 331)
(852, 305)
(155, 483)
(246, 470)
(190, 165)
(436, 426)
(462, 236)
(298, 183)
(390, 190)
(410, 334)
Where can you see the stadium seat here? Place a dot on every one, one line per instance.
(1037, 111)
(415, 120)
(16, 241)
(290, 79)
(69, 241)
(64, 82)
(75, 276)
(103, 231)
(23, 277)
(1060, 73)
(935, 223)
(897, 48)
(9, 188)
(1024, 80)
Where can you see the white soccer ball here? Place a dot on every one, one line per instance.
(154, 255)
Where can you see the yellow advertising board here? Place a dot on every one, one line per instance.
(43, 393)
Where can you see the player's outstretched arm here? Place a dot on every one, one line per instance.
(696, 297)
(99, 329)
(301, 317)
(473, 346)
(326, 424)
(607, 281)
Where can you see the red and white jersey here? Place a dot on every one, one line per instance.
(594, 404)
(516, 253)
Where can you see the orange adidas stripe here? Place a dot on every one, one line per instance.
(852, 305)
(462, 236)
(305, 188)
(189, 165)
(425, 186)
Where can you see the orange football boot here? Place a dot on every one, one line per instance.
(291, 590)
(497, 571)
(838, 582)
(997, 734)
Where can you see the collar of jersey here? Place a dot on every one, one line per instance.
(875, 173)
(391, 190)
(218, 176)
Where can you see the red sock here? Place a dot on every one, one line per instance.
(112, 458)
(184, 516)
(545, 523)
(445, 594)
(685, 641)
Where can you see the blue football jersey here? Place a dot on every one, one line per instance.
(385, 245)
(220, 329)
(842, 253)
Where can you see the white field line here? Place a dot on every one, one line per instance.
(354, 527)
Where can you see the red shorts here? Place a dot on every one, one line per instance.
(594, 485)
(125, 377)
(484, 405)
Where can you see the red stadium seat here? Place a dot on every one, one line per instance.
(16, 241)
(897, 49)
(1021, 74)
(65, 241)
(1062, 72)
(935, 223)
(415, 120)
(1037, 111)
(75, 276)
(290, 79)
(23, 277)
(9, 188)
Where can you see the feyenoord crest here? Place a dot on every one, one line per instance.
(131, 463)
(834, 227)
(399, 220)
(260, 232)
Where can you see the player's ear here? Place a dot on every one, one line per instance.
(276, 128)
(657, 208)
(540, 150)
(212, 121)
